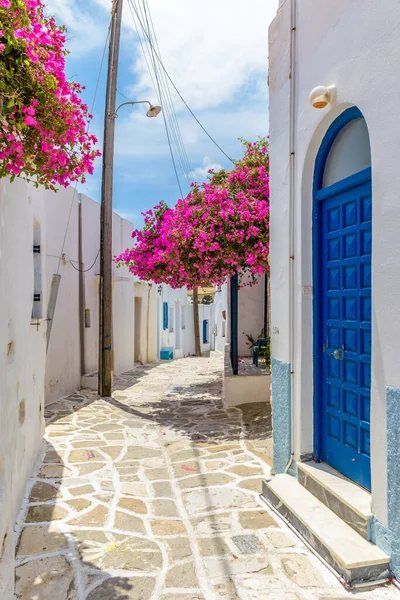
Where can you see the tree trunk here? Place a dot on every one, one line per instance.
(197, 345)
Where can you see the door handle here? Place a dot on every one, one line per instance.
(338, 354)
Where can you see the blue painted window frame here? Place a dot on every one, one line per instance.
(205, 331)
(165, 315)
(348, 115)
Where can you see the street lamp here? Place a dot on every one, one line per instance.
(106, 358)
(152, 112)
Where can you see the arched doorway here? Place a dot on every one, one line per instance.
(342, 236)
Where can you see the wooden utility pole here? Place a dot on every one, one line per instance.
(105, 290)
(197, 344)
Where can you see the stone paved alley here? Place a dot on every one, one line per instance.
(154, 495)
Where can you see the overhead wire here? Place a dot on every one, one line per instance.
(149, 59)
(88, 129)
(175, 124)
(132, 5)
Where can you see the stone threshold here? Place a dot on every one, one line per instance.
(350, 555)
(344, 497)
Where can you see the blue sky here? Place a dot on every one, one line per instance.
(216, 52)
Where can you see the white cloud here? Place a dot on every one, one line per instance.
(200, 173)
(210, 48)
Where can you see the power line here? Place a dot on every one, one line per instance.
(157, 87)
(175, 124)
(176, 89)
(85, 270)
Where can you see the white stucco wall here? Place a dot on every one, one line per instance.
(251, 313)
(22, 361)
(353, 46)
(63, 369)
(146, 322)
(221, 318)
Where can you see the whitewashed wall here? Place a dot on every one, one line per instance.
(22, 362)
(145, 322)
(251, 314)
(63, 369)
(354, 46)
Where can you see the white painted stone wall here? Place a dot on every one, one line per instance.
(251, 314)
(63, 370)
(145, 322)
(221, 318)
(355, 46)
(22, 362)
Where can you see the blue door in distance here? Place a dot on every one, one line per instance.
(345, 309)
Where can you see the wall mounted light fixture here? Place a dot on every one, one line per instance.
(322, 95)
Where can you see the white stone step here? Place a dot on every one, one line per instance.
(345, 498)
(356, 559)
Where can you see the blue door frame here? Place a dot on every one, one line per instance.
(321, 195)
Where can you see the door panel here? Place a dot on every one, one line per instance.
(346, 327)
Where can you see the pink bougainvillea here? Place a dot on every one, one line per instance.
(220, 228)
(43, 121)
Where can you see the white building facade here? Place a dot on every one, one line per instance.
(335, 249)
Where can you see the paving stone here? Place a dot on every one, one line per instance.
(183, 469)
(45, 579)
(134, 489)
(217, 499)
(248, 544)
(78, 503)
(87, 469)
(206, 480)
(40, 539)
(213, 524)
(178, 548)
(164, 508)
(162, 489)
(222, 448)
(156, 474)
(81, 490)
(129, 523)
(94, 518)
(300, 569)
(135, 554)
(256, 519)
(135, 588)
(133, 504)
(254, 485)
(213, 546)
(182, 576)
(182, 597)
(139, 452)
(219, 567)
(45, 513)
(51, 471)
(167, 527)
(112, 452)
(280, 539)
(43, 492)
(53, 456)
(245, 471)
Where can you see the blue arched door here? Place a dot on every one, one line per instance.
(342, 270)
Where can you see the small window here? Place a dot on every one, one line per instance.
(171, 319)
(37, 306)
(205, 331)
(183, 317)
(165, 315)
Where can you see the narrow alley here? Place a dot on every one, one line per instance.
(154, 495)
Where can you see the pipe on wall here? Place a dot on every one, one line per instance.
(292, 204)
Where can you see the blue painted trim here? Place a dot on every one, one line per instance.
(234, 323)
(165, 315)
(344, 184)
(335, 128)
(205, 331)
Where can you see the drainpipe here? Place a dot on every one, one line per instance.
(81, 289)
(148, 319)
(292, 193)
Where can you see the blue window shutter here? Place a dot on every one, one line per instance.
(205, 340)
(165, 315)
